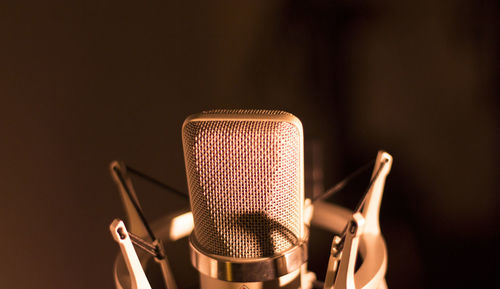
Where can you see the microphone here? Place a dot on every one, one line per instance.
(248, 227)
(245, 175)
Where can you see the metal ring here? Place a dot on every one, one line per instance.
(248, 270)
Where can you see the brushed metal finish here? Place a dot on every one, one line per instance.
(248, 270)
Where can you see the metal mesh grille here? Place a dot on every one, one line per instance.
(244, 184)
(246, 111)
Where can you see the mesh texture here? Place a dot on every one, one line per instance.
(244, 184)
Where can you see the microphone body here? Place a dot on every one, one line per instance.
(246, 186)
(290, 281)
(248, 225)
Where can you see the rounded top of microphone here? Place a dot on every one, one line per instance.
(244, 115)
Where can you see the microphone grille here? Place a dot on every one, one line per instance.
(245, 179)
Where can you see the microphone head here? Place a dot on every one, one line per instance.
(245, 178)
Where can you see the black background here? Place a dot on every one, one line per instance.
(86, 82)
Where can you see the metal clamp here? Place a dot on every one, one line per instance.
(139, 224)
(364, 220)
(120, 234)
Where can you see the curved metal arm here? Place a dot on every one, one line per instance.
(120, 234)
(364, 221)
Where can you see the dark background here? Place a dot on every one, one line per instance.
(83, 83)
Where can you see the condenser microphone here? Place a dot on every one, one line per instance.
(245, 175)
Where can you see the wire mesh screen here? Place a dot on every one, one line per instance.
(244, 179)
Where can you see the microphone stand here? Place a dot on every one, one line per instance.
(364, 220)
(138, 279)
(362, 228)
(139, 224)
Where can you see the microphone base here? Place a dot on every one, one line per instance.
(290, 281)
(248, 270)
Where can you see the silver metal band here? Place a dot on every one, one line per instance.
(248, 270)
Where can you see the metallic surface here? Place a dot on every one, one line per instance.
(331, 217)
(248, 270)
(372, 247)
(245, 179)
